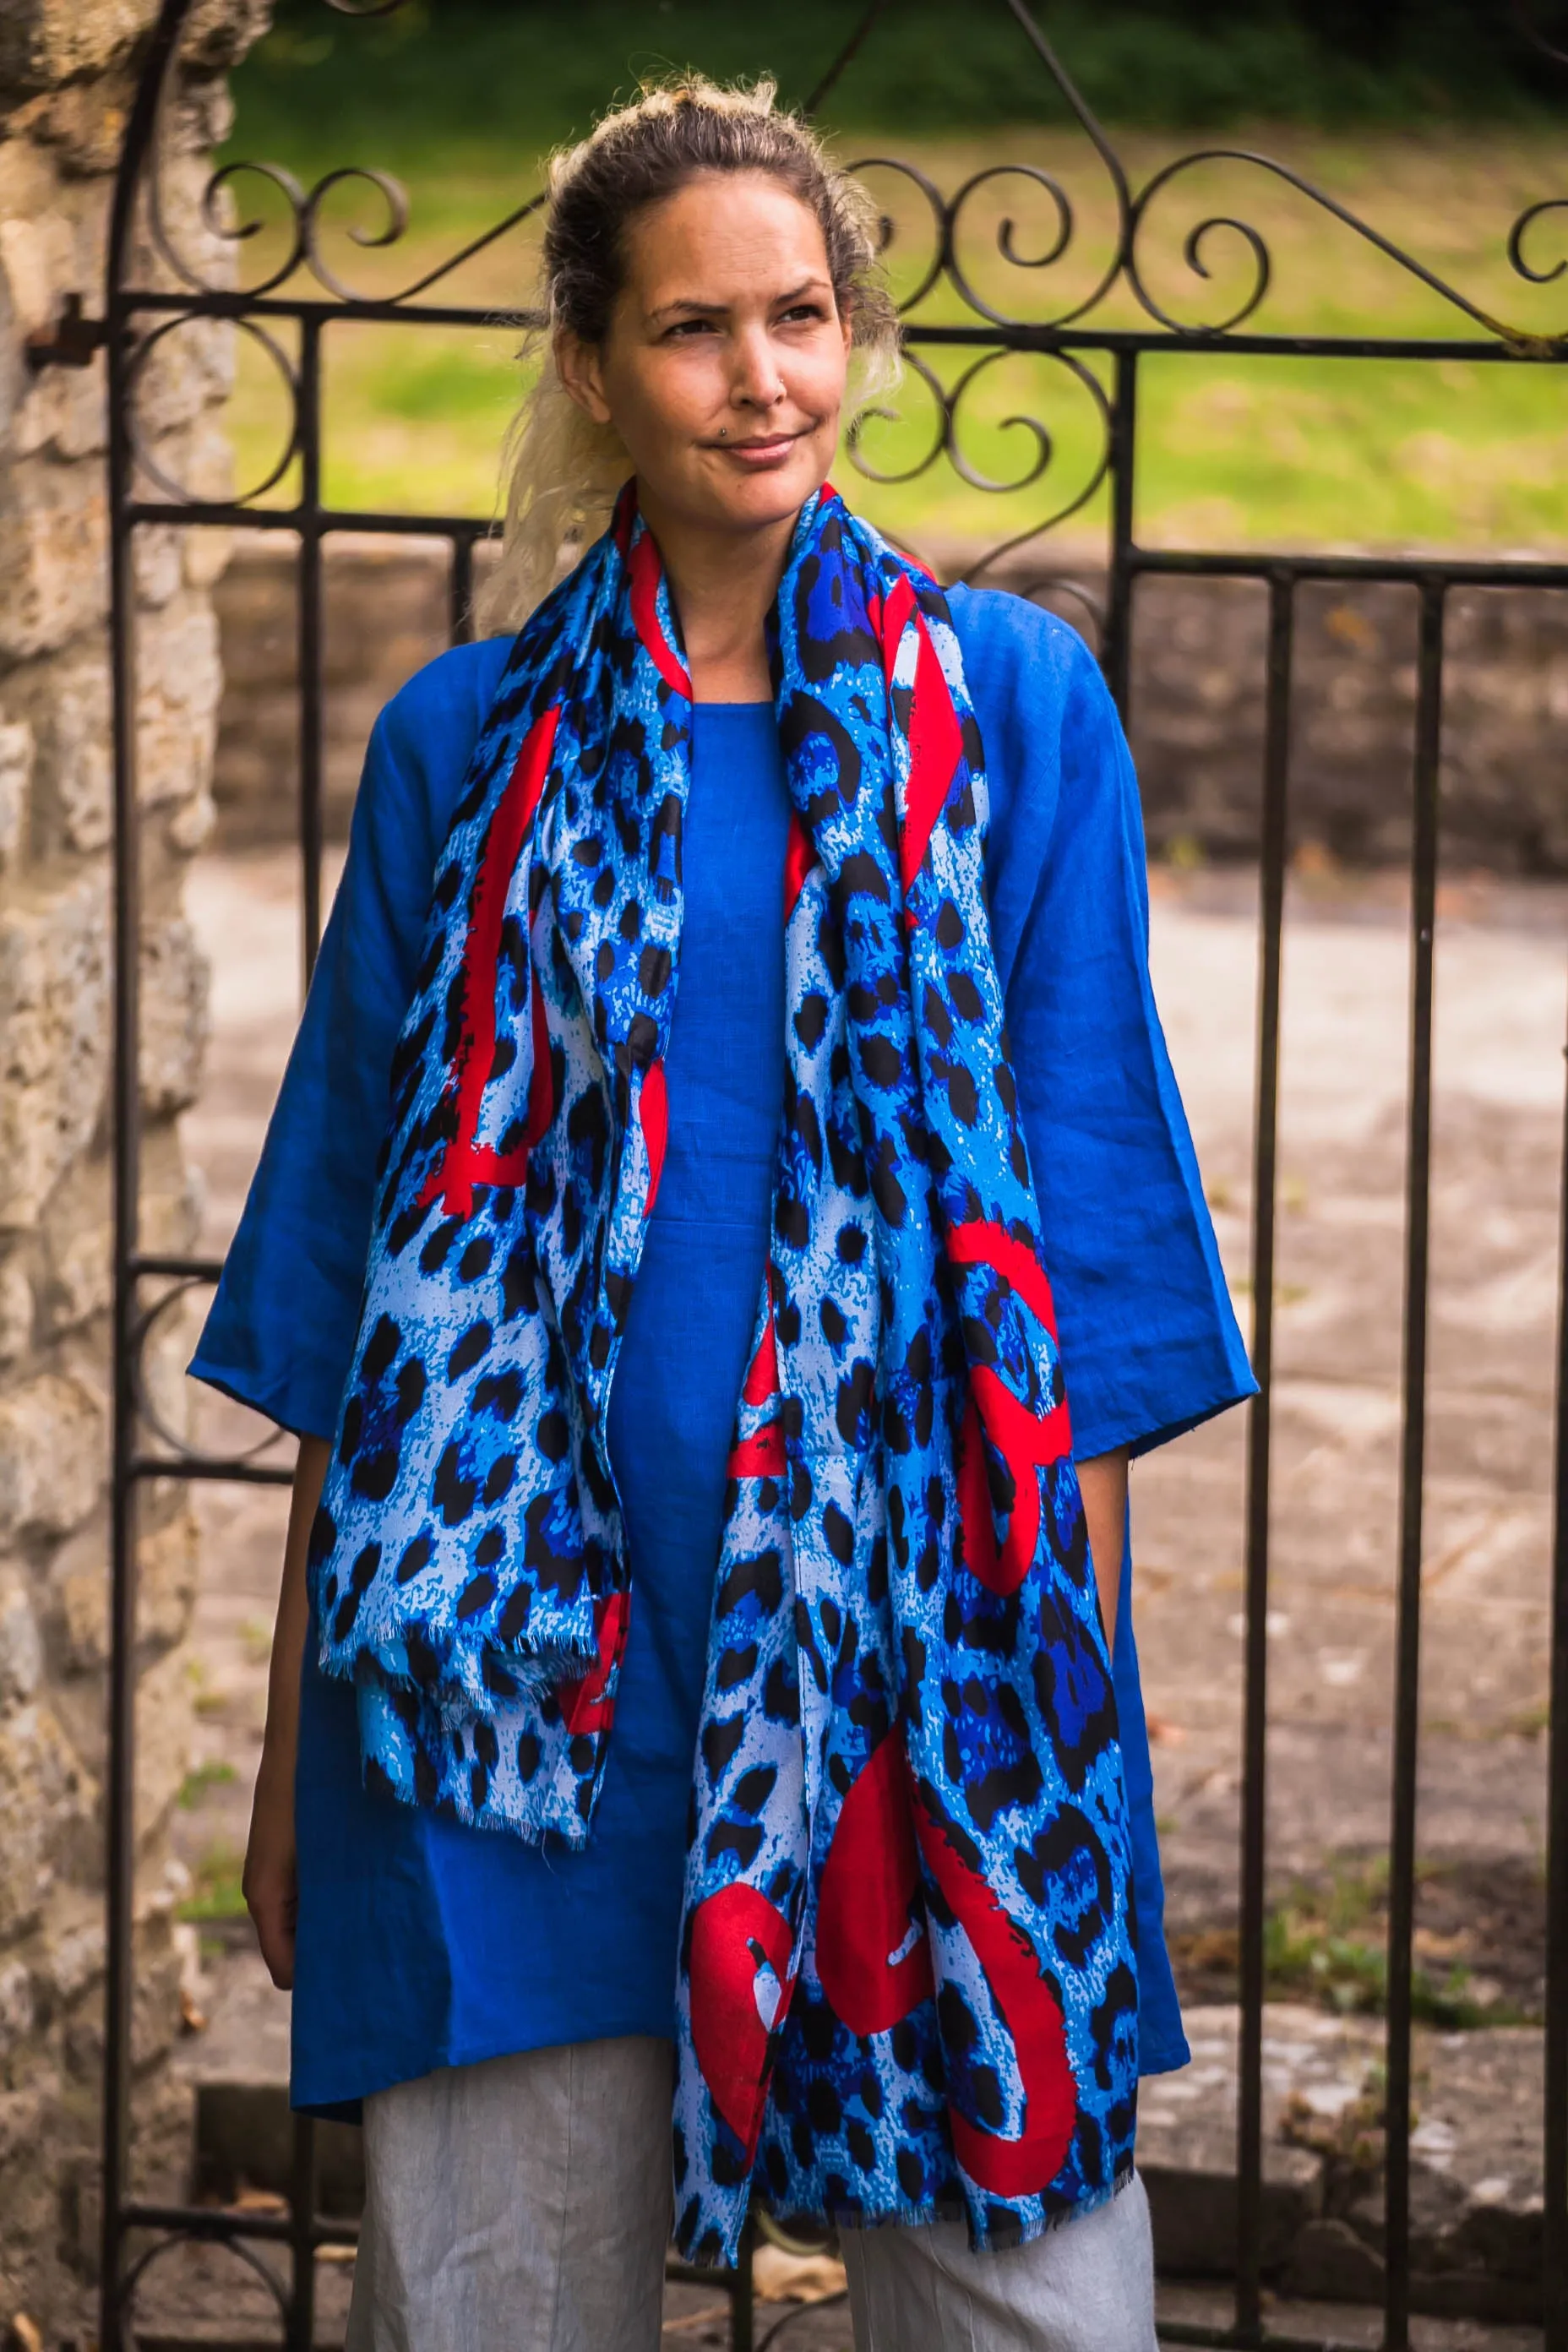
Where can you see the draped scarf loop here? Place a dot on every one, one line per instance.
(905, 1973)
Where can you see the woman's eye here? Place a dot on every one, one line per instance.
(808, 311)
(687, 327)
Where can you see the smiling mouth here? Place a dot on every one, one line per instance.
(767, 445)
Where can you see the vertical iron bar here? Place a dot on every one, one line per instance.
(1407, 1654)
(303, 2184)
(1254, 1703)
(742, 2305)
(309, 622)
(120, 1809)
(1117, 655)
(1554, 2216)
(460, 591)
(119, 1785)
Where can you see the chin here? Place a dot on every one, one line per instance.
(755, 503)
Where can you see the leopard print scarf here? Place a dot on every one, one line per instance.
(905, 1973)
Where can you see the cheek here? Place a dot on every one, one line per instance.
(664, 400)
(817, 378)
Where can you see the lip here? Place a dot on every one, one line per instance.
(762, 450)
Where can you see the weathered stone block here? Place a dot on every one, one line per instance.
(54, 1040)
(53, 582)
(77, 1605)
(80, 1269)
(174, 1017)
(21, 1645)
(1192, 2206)
(172, 1195)
(53, 1456)
(185, 371)
(47, 1801)
(35, 257)
(64, 705)
(219, 31)
(63, 413)
(15, 1308)
(1331, 2263)
(18, 2010)
(44, 43)
(85, 124)
(164, 1720)
(16, 779)
(74, 1961)
(154, 2010)
(158, 564)
(206, 554)
(180, 682)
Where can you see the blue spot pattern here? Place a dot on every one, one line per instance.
(906, 1972)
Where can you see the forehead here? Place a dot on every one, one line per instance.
(721, 237)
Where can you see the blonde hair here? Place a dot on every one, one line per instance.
(562, 471)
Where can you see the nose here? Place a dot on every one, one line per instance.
(756, 381)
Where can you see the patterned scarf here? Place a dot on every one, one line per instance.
(906, 1975)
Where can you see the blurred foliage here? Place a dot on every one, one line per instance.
(1430, 121)
(507, 73)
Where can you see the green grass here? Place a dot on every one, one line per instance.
(1232, 451)
(216, 1893)
(527, 73)
(216, 1774)
(1329, 1946)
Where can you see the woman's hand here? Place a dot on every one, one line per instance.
(271, 1882)
(1102, 1483)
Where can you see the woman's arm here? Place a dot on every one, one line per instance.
(271, 1892)
(1103, 1486)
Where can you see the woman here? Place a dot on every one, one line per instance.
(685, 1483)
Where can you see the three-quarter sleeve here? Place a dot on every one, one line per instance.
(1150, 1342)
(281, 1330)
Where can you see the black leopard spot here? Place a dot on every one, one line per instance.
(468, 1350)
(839, 1533)
(476, 1596)
(452, 1494)
(720, 1742)
(415, 1556)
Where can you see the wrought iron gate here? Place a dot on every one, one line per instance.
(305, 293)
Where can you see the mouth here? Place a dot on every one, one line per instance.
(760, 449)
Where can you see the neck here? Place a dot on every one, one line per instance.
(724, 583)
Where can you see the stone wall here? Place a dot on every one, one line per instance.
(1198, 705)
(66, 72)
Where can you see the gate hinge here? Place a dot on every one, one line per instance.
(72, 341)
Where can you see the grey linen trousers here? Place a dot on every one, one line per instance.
(523, 2205)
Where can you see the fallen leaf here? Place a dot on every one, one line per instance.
(781, 2278)
(258, 2200)
(1163, 1733)
(191, 2019)
(25, 2333)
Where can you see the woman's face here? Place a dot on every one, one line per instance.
(723, 368)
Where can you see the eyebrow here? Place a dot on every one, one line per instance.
(718, 310)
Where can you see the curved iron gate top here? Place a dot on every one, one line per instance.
(304, 291)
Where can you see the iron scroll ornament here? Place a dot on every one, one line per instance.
(1124, 268)
(950, 261)
(135, 308)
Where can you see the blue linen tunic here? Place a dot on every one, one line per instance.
(425, 1944)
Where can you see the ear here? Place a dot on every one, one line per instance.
(579, 367)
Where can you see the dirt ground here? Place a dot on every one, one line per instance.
(1500, 1026)
(1499, 1079)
